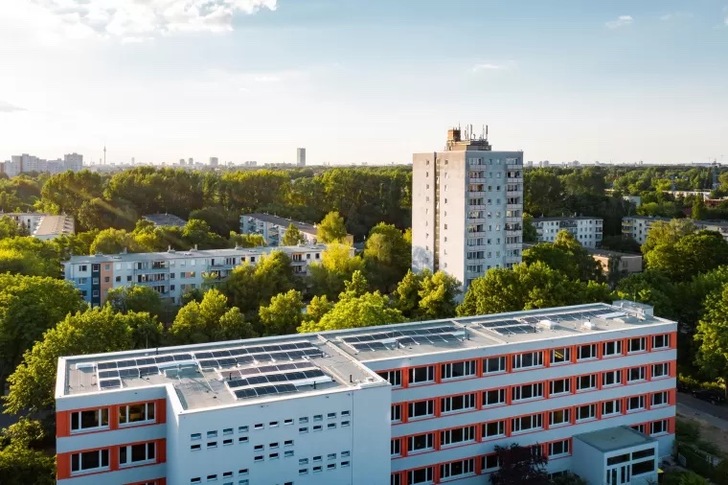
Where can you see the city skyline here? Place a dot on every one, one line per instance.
(255, 79)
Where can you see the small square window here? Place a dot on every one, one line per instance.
(258, 448)
(303, 420)
(227, 442)
(344, 464)
(303, 430)
(212, 434)
(258, 458)
(258, 426)
(288, 443)
(303, 461)
(242, 429)
(243, 471)
(273, 424)
(331, 466)
(196, 436)
(273, 456)
(345, 424)
(331, 426)
(318, 427)
(331, 416)
(243, 439)
(211, 444)
(288, 453)
(345, 413)
(318, 417)
(331, 456)
(273, 445)
(288, 422)
(345, 454)
(227, 431)
(227, 474)
(303, 471)
(317, 469)
(317, 458)
(195, 447)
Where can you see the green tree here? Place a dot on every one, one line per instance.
(337, 265)
(315, 311)
(698, 210)
(10, 228)
(209, 321)
(567, 255)
(197, 233)
(28, 307)
(246, 240)
(331, 228)
(387, 256)
(20, 466)
(407, 294)
(356, 309)
(29, 256)
(653, 288)
(530, 235)
(568, 478)
(135, 298)
(526, 287)
(691, 255)
(520, 464)
(438, 294)
(667, 232)
(283, 315)
(113, 241)
(712, 335)
(292, 236)
(94, 331)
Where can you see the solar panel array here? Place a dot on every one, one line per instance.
(272, 379)
(527, 324)
(111, 373)
(402, 338)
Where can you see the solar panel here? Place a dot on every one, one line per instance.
(130, 372)
(264, 391)
(126, 363)
(178, 357)
(110, 384)
(106, 365)
(221, 353)
(106, 374)
(203, 355)
(163, 358)
(148, 371)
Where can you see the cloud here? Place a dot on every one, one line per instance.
(491, 66)
(621, 21)
(676, 16)
(9, 108)
(135, 20)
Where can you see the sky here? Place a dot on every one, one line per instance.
(359, 81)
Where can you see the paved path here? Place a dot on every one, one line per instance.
(713, 414)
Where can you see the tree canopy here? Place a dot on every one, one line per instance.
(331, 228)
(209, 321)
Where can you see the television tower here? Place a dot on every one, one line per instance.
(104, 154)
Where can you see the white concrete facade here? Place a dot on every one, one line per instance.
(637, 227)
(589, 231)
(172, 273)
(415, 403)
(467, 207)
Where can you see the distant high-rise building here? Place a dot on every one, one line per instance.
(73, 161)
(191, 161)
(213, 161)
(181, 161)
(467, 204)
(301, 157)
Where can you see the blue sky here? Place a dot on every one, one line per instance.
(363, 81)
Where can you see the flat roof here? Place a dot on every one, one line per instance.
(51, 225)
(244, 371)
(201, 253)
(165, 220)
(615, 439)
(568, 218)
(282, 221)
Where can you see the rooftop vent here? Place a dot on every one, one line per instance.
(546, 324)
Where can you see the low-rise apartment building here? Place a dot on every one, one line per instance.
(617, 262)
(172, 273)
(272, 228)
(43, 226)
(592, 387)
(587, 230)
(637, 227)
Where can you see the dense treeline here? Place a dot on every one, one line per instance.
(363, 196)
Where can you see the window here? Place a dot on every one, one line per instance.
(587, 352)
(494, 397)
(395, 448)
(421, 409)
(211, 444)
(345, 464)
(396, 413)
(423, 475)
(643, 467)
(637, 344)
(560, 386)
(636, 374)
(493, 365)
(635, 403)
(457, 403)
(559, 448)
(317, 469)
(612, 348)
(527, 423)
(457, 435)
(457, 468)
(494, 428)
(420, 442)
(585, 383)
(527, 391)
(303, 471)
(345, 454)
(258, 458)
(659, 399)
(490, 462)
(345, 424)
(273, 456)
(394, 377)
(318, 427)
(660, 342)
(243, 439)
(195, 436)
(345, 413)
(612, 378)
(89, 461)
(212, 434)
(331, 426)
(136, 413)
(636, 455)
(89, 420)
(559, 417)
(227, 431)
(585, 412)
(302, 430)
(288, 443)
(612, 407)
(227, 442)
(258, 426)
(419, 375)
(658, 427)
(303, 420)
(561, 356)
(457, 370)
(660, 370)
(136, 454)
(529, 359)
(195, 447)
(273, 424)
(288, 422)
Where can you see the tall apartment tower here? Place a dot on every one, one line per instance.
(301, 157)
(467, 207)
